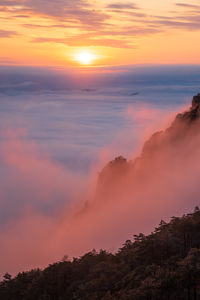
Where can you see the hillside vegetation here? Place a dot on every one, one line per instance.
(162, 265)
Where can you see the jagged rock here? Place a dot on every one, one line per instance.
(193, 113)
(159, 146)
(196, 101)
(112, 170)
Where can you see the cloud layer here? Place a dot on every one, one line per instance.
(49, 213)
(57, 135)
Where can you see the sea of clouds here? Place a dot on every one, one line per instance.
(58, 128)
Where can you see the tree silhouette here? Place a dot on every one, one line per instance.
(164, 265)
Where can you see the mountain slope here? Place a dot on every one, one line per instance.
(179, 140)
(162, 265)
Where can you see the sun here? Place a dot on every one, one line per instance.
(85, 57)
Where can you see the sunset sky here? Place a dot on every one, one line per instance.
(83, 82)
(111, 32)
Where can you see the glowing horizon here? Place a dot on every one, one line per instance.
(143, 32)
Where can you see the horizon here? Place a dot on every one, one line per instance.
(81, 83)
(99, 33)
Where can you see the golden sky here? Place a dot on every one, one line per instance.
(55, 32)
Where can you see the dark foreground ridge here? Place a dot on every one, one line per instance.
(162, 265)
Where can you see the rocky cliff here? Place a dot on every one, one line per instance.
(172, 146)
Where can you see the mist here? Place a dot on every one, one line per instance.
(59, 194)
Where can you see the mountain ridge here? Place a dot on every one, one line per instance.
(184, 125)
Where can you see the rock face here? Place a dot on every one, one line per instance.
(193, 113)
(117, 167)
(164, 147)
(196, 101)
(113, 172)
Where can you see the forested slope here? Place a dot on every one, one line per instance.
(162, 265)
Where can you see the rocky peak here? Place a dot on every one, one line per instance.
(190, 115)
(185, 126)
(196, 101)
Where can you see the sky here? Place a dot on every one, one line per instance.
(46, 32)
(81, 82)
